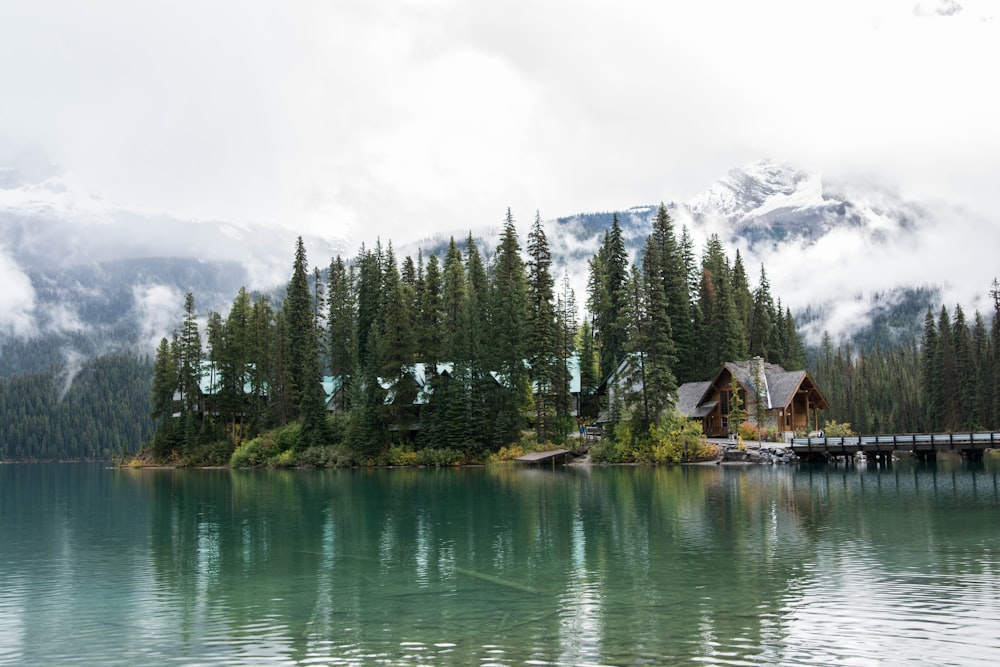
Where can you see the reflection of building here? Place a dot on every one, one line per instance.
(788, 401)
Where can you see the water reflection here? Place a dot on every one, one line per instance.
(500, 566)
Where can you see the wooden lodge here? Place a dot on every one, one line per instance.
(791, 400)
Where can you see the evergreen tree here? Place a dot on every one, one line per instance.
(509, 311)
(964, 370)
(163, 387)
(654, 337)
(588, 373)
(982, 386)
(235, 364)
(742, 297)
(723, 337)
(566, 347)
(761, 322)
(666, 258)
(342, 343)
(930, 374)
(608, 298)
(396, 343)
(949, 415)
(794, 352)
(541, 349)
(434, 327)
(301, 349)
(188, 357)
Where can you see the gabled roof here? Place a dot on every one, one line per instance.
(690, 395)
(779, 386)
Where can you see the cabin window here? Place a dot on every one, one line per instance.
(725, 423)
(724, 402)
(788, 420)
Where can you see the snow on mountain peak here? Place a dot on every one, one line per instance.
(754, 190)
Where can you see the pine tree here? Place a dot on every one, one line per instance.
(301, 349)
(964, 370)
(163, 387)
(949, 414)
(396, 347)
(234, 364)
(608, 298)
(742, 296)
(509, 311)
(342, 343)
(588, 373)
(434, 330)
(189, 357)
(655, 337)
(566, 347)
(761, 323)
(723, 337)
(541, 349)
(982, 387)
(669, 265)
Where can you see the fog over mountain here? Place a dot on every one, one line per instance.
(841, 253)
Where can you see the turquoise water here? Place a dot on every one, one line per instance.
(509, 566)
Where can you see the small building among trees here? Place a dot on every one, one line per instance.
(757, 392)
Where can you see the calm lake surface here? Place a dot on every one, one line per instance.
(508, 566)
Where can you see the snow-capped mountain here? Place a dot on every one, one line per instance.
(843, 254)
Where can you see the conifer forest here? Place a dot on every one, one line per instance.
(472, 354)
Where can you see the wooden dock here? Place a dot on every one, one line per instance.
(923, 445)
(538, 457)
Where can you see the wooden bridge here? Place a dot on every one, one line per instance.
(923, 446)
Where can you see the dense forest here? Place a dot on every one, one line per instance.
(449, 359)
(100, 412)
(441, 359)
(945, 383)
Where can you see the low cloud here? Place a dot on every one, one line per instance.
(157, 310)
(17, 299)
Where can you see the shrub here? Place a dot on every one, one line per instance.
(214, 453)
(323, 457)
(287, 437)
(254, 453)
(400, 456)
(439, 457)
(673, 440)
(833, 429)
(749, 433)
(506, 454)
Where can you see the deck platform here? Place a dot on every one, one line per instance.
(539, 457)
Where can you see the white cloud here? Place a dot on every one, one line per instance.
(158, 309)
(17, 299)
(365, 120)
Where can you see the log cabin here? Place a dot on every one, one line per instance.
(790, 401)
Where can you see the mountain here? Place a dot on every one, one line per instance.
(89, 288)
(82, 276)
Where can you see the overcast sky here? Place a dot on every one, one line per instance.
(356, 118)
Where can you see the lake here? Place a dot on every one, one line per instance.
(501, 566)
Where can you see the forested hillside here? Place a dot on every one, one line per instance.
(944, 382)
(458, 356)
(100, 411)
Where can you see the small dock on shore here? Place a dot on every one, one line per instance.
(540, 457)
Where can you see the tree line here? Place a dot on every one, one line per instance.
(944, 383)
(463, 353)
(99, 412)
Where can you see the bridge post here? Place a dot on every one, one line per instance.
(972, 455)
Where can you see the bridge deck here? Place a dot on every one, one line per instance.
(910, 442)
